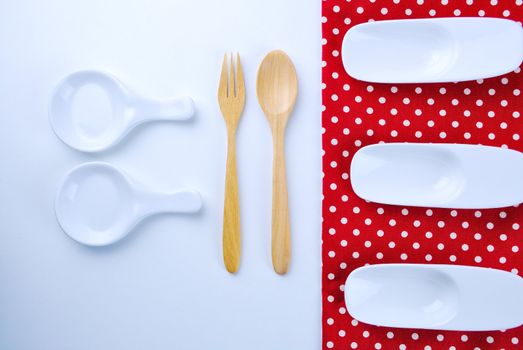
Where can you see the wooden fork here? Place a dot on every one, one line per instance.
(231, 97)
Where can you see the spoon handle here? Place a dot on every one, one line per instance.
(187, 201)
(281, 232)
(174, 110)
(231, 211)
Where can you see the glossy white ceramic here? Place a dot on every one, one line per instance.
(444, 297)
(438, 175)
(91, 111)
(432, 50)
(98, 204)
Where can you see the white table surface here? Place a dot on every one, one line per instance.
(164, 286)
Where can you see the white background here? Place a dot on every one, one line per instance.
(164, 286)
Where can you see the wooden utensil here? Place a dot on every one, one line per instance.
(231, 97)
(277, 88)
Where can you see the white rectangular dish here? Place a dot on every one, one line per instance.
(438, 175)
(443, 297)
(432, 50)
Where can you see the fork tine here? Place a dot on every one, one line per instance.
(232, 82)
(222, 89)
(240, 84)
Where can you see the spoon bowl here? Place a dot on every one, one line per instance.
(277, 86)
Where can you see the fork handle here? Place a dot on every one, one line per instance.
(281, 232)
(231, 213)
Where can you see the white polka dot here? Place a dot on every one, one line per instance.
(390, 335)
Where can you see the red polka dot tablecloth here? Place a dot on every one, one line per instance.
(355, 232)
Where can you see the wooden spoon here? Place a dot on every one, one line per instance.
(277, 88)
